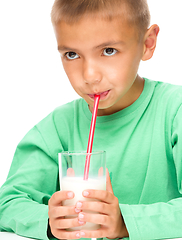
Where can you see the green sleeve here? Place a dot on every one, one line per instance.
(32, 179)
(159, 220)
(154, 221)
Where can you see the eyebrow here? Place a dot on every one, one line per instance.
(111, 43)
(64, 48)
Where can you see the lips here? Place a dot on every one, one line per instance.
(102, 94)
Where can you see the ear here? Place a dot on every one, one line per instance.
(150, 41)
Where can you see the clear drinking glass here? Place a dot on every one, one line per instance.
(71, 174)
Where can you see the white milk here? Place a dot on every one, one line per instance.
(78, 185)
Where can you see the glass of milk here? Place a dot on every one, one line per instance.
(71, 175)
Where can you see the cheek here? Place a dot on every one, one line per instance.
(121, 67)
(112, 70)
(130, 67)
(118, 72)
(71, 71)
(67, 68)
(73, 74)
(122, 74)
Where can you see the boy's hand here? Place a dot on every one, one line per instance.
(109, 214)
(57, 212)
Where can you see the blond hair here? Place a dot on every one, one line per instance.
(136, 12)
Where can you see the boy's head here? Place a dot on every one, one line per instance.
(135, 12)
(101, 43)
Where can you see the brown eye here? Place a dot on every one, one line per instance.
(71, 55)
(109, 51)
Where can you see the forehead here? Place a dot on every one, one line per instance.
(93, 31)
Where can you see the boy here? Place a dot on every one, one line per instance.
(101, 44)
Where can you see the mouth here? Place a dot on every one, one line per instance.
(103, 95)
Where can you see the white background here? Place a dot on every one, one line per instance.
(32, 81)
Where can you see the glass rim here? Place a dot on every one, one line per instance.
(81, 153)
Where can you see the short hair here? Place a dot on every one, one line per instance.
(136, 12)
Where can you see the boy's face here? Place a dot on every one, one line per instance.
(102, 57)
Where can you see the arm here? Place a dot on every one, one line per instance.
(154, 221)
(32, 180)
(160, 220)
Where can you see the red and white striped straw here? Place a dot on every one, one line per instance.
(91, 136)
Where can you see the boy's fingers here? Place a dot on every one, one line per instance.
(105, 196)
(66, 223)
(60, 196)
(100, 233)
(70, 172)
(108, 182)
(99, 207)
(61, 211)
(101, 195)
(63, 234)
(95, 218)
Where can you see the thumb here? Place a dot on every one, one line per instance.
(108, 182)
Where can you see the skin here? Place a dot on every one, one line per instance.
(99, 57)
(109, 216)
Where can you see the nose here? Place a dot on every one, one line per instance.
(91, 72)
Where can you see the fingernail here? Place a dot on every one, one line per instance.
(77, 210)
(81, 222)
(85, 193)
(79, 205)
(80, 215)
(70, 194)
(77, 235)
(82, 234)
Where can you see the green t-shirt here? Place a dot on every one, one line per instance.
(143, 144)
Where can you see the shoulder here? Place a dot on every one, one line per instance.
(63, 112)
(54, 128)
(67, 110)
(169, 91)
(166, 94)
(166, 100)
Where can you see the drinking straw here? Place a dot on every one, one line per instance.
(91, 136)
